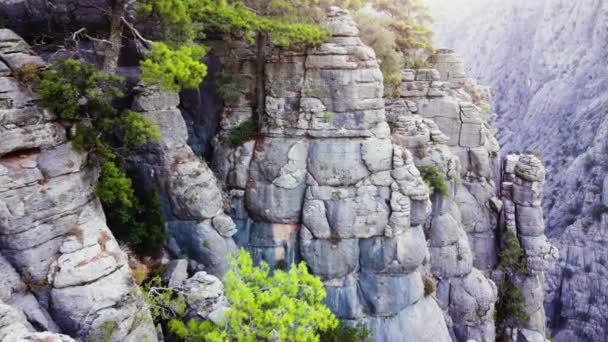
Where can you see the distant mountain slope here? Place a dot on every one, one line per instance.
(547, 62)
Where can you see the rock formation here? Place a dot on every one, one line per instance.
(194, 202)
(323, 183)
(397, 204)
(522, 214)
(542, 60)
(62, 268)
(436, 119)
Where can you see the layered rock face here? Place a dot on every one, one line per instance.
(323, 183)
(194, 202)
(62, 269)
(544, 62)
(522, 214)
(436, 120)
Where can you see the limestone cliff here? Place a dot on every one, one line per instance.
(62, 270)
(545, 61)
(399, 205)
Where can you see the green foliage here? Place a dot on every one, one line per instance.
(164, 303)
(176, 63)
(434, 179)
(510, 306)
(75, 90)
(85, 98)
(103, 333)
(511, 257)
(174, 69)
(417, 63)
(409, 20)
(347, 333)
(376, 33)
(598, 210)
(242, 133)
(141, 224)
(288, 304)
(114, 187)
(138, 129)
(28, 74)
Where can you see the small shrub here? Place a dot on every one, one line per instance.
(267, 302)
(511, 257)
(434, 179)
(418, 63)
(242, 133)
(587, 268)
(28, 74)
(104, 332)
(376, 33)
(140, 273)
(568, 273)
(597, 211)
(510, 305)
(141, 224)
(164, 303)
(34, 285)
(429, 286)
(347, 333)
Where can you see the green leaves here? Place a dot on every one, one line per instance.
(510, 308)
(86, 99)
(138, 129)
(511, 257)
(175, 63)
(114, 187)
(434, 179)
(265, 305)
(73, 90)
(242, 133)
(174, 69)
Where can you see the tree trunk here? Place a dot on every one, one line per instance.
(260, 78)
(111, 55)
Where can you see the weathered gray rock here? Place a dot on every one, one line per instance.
(324, 183)
(14, 327)
(52, 229)
(205, 296)
(196, 199)
(201, 242)
(176, 272)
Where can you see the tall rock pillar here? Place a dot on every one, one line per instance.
(522, 215)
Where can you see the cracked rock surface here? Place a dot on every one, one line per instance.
(62, 268)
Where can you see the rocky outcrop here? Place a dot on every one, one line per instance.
(324, 183)
(196, 223)
(436, 119)
(551, 98)
(62, 268)
(522, 187)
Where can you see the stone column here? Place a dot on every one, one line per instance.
(522, 185)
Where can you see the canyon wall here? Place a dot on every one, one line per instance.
(399, 205)
(546, 64)
(63, 271)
